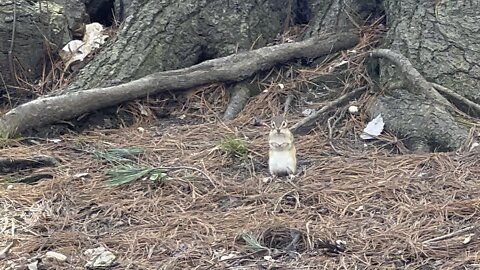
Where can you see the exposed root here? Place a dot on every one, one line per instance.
(239, 97)
(468, 103)
(411, 75)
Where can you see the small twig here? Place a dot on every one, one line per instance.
(452, 234)
(313, 117)
(12, 42)
(4, 252)
(330, 129)
(9, 99)
(448, 92)
(336, 119)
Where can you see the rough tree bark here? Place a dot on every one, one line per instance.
(39, 26)
(235, 67)
(166, 35)
(439, 38)
(158, 36)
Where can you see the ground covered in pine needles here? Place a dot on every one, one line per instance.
(356, 209)
(354, 205)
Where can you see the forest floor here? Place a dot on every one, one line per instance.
(354, 205)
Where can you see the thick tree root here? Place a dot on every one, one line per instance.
(411, 74)
(431, 90)
(17, 164)
(238, 100)
(418, 111)
(235, 67)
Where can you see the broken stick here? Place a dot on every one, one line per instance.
(306, 122)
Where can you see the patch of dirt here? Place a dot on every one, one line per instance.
(348, 209)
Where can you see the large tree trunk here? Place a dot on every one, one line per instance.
(171, 34)
(28, 31)
(440, 40)
(159, 36)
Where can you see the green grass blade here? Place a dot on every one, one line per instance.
(253, 243)
(125, 174)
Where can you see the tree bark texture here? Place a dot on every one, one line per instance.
(440, 39)
(335, 16)
(37, 25)
(170, 34)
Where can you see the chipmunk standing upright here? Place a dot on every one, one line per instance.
(282, 157)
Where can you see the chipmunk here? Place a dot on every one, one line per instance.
(282, 156)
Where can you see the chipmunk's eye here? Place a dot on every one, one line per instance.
(284, 124)
(273, 124)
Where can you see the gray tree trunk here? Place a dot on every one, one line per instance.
(40, 26)
(166, 35)
(440, 38)
(441, 41)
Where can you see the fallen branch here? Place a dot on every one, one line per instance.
(309, 120)
(235, 67)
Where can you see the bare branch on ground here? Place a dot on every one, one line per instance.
(306, 122)
(235, 67)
